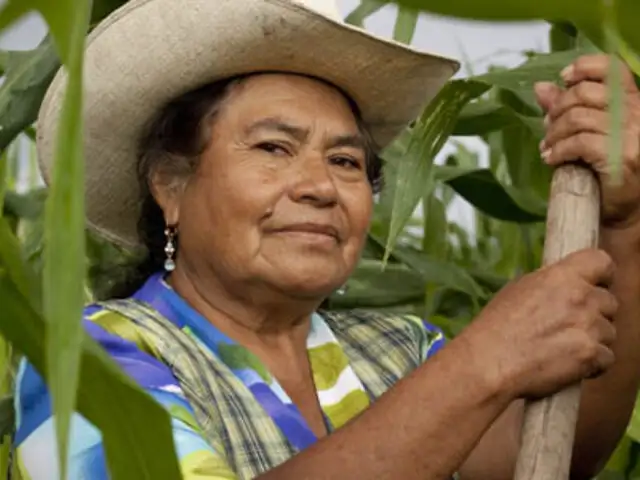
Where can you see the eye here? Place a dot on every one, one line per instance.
(347, 162)
(271, 147)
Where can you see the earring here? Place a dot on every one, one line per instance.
(170, 249)
(342, 290)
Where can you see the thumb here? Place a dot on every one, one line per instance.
(547, 93)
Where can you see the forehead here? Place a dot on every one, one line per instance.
(289, 95)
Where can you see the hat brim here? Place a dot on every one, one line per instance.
(151, 51)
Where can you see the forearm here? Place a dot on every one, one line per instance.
(423, 428)
(607, 402)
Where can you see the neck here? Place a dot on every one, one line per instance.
(250, 316)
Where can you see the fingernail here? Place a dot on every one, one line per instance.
(543, 146)
(546, 121)
(546, 154)
(567, 73)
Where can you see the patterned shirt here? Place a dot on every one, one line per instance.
(341, 394)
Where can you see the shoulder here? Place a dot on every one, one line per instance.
(118, 338)
(389, 330)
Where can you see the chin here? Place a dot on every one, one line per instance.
(316, 283)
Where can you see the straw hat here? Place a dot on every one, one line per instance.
(151, 51)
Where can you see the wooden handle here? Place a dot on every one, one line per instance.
(549, 425)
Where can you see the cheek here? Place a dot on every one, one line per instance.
(359, 208)
(224, 214)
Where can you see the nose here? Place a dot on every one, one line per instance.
(314, 183)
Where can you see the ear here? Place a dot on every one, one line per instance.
(168, 194)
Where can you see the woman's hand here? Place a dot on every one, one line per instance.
(577, 125)
(549, 329)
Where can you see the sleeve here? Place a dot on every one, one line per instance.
(35, 441)
(434, 340)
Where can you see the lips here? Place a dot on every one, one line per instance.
(314, 228)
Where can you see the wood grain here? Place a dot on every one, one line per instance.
(549, 424)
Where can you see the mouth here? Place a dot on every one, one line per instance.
(311, 230)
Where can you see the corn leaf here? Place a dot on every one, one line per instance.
(503, 202)
(405, 26)
(64, 266)
(28, 75)
(373, 285)
(484, 116)
(364, 10)
(137, 434)
(413, 172)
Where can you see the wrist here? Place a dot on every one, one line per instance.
(494, 379)
(621, 241)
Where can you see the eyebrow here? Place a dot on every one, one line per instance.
(300, 133)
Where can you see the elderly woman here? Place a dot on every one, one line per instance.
(241, 139)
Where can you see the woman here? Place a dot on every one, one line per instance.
(256, 164)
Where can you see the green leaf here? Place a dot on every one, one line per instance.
(7, 416)
(481, 188)
(616, 108)
(439, 272)
(373, 285)
(436, 271)
(413, 171)
(521, 80)
(28, 205)
(484, 116)
(64, 258)
(562, 36)
(11, 264)
(405, 26)
(364, 10)
(28, 76)
(136, 430)
(526, 169)
(509, 10)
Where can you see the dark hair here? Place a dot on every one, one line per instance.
(171, 147)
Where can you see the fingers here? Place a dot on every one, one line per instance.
(547, 94)
(585, 94)
(593, 149)
(578, 119)
(595, 68)
(606, 302)
(604, 360)
(595, 266)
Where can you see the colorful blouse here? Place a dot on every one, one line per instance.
(341, 393)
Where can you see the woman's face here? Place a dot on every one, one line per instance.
(281, 197)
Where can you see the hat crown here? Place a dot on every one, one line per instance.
(328, 8)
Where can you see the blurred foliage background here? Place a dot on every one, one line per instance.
(417, 257)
